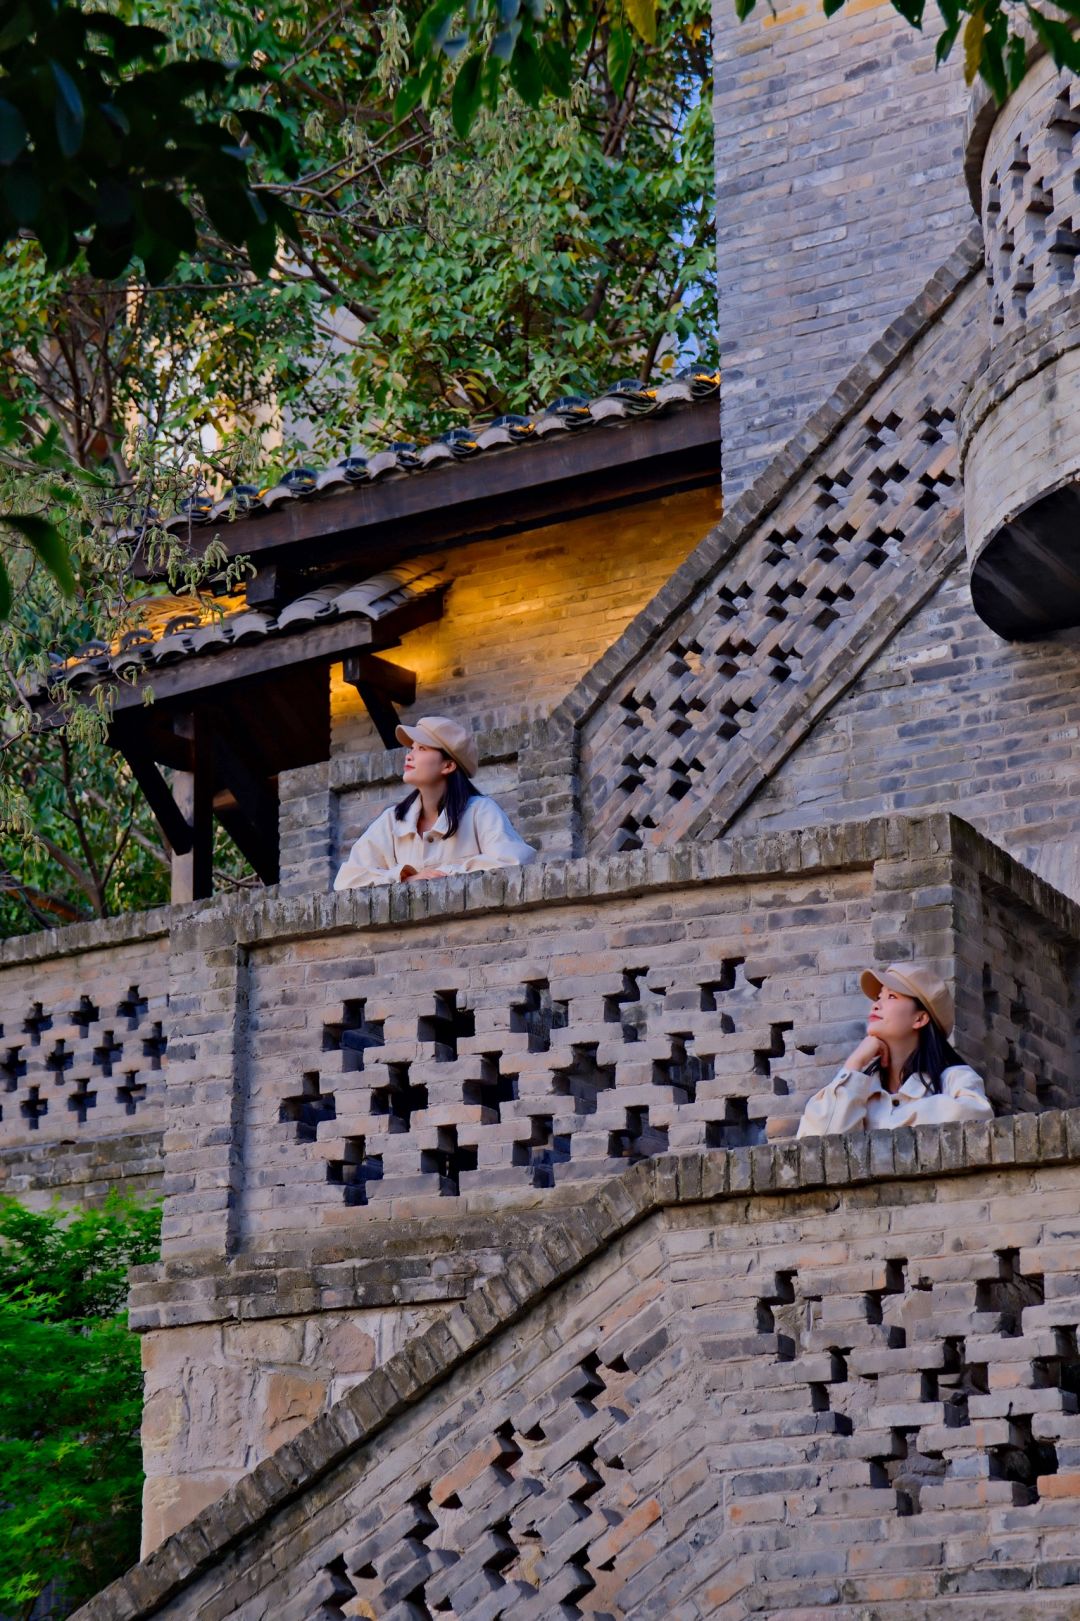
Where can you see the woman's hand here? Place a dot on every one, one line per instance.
(871, 1049)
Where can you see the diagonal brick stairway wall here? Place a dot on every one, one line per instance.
(835, 1378)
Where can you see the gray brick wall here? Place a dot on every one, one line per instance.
(839, 188)
(949, 715)
(831, 1379)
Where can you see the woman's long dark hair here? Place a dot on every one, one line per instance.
(933, 1056)
(459, 789)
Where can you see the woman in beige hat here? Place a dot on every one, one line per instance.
(904, 1072)
(444, 825)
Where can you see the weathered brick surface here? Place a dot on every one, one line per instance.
(775, 615)
(489, 1040)
(376, 1100)
(839, 189)
(949, 715)
(83, 1032)
(802, 1400)
(1017, 440)
(84, 1171)
(525, 618)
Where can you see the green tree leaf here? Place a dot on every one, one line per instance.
(46, 541)
(70, 113)
(642, 16)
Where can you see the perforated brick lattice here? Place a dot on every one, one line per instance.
(67, 1066)
(539, 1091)
(1031, 212)
(677, 746)
(821, 1404)
(544, 1052)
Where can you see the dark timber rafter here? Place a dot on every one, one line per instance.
(225, 726)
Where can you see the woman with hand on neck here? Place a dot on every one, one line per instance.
(904, 1072)
(444, 825)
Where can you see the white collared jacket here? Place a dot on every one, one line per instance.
(484, 841)
(854, 1100)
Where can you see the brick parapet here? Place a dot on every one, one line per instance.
(948, 1156)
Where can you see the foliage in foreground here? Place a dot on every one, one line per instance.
(70, 1401)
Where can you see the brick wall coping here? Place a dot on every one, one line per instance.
(768, 489)
(614, 1206)
(71, 939)
(1016, 357)
(843, 846)
(266, 916)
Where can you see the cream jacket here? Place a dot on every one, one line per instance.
(484, 841)
(853, 1101)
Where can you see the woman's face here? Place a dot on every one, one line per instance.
(424, 766)
(895, 1018)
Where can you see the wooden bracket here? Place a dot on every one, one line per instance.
(381, 686)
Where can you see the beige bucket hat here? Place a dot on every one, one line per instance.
(908, 979)
(437, 732)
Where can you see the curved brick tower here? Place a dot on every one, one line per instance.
(1020, 448)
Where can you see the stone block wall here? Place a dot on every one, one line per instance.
(839, 188)
(84, 1026)
(828, 1379)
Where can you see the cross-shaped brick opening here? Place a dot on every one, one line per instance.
(884, 432)
(131, 1092)
(1010, 1292)
(633, 772)
(734, 654)
(683, 773)
(354, 1170)
(638, 1139)
(730, 601)
(784, 662)
(830, 542)
(33, 1107)
(81, 1100)
(781, 546)
(108, 1054)
(736, 1129)
(541, 1151)
(778, 596)
(491, 1090)
(765, 1057)
(447, 1160)
(685, 658)
(308, 1108)
(399, 1099)
(624, 1007)
(446, 1026)
(133, 1007)
(13, 1068)
(537, 1015)
(59, 1060)
(36, 1023)
(154, 1045)
(84, 1015)
(583, 1079)
(682, 1070)
(632, 704)
(353, 1034)
(828, 597)
(331, 1590)
(907, 1470)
